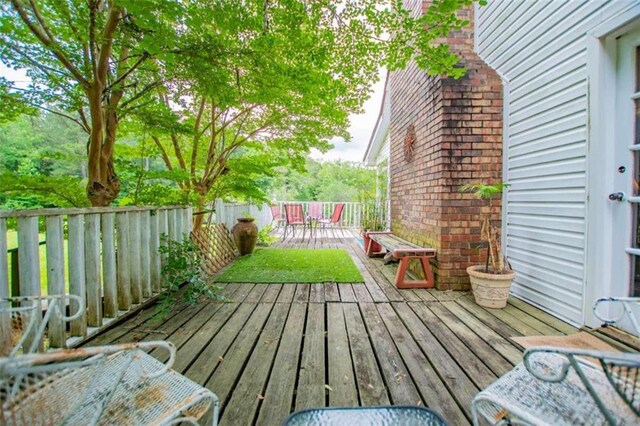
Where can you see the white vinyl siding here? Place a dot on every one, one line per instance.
(540, 50)
(384, 152)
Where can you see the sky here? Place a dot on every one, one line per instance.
(362, 125)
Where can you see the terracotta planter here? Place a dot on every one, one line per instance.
(245, 234)
(490, 290)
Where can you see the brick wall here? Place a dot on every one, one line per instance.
(458, 127)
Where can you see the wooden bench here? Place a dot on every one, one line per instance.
(397, 248)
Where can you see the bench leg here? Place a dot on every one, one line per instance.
(370, 250)
(401, 282)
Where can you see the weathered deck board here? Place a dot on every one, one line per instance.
(342, 385)
(542, 316)
(480, 349)
(434, 392)
(476, 369)
(346, 293)
(461, 386)
(371, 387)
(279, 394)
(398, 381)
(271, 349)
(249, 391)
(311, 380)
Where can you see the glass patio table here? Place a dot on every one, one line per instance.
(365, 416)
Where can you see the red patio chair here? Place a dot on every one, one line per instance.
(277, 216)
(294, 216)
(333, 220)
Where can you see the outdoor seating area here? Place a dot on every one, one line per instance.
(312, 220)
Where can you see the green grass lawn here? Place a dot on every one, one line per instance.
(273, 265)
(12, 242)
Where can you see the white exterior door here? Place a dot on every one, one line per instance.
(625, 199)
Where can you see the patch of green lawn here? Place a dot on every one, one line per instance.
(274, 265)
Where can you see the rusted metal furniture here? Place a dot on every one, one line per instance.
(294, 217)
(560, 386)
(116, 384)
(398, 249)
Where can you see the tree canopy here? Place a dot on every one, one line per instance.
(221, 89)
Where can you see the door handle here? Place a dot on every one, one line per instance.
(617, 196)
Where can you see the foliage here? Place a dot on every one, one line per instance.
(276, 265)
(182, 266)
(209, 80)
(21, 192)
(489, 233)
(42, 144)
(265, 237)
(374, 212)
(324, 181)
(12, 104)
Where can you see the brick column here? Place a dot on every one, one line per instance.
(458, 127)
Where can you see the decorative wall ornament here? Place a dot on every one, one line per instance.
(409, 140)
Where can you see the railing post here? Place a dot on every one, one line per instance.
(109, 268)
(55, 277)
(92, 270)
(179, 228)
(122, 258)
(145, 259)
(171, 221)
(76, 270)
(5, 317)
(134, 258)
(153, 251)
(29, 263)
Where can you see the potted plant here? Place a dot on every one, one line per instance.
(373, 218)
(490, 282)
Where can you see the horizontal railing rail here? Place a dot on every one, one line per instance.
(112, 258)
(228, 213)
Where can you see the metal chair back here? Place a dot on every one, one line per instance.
(337, 213)
(315, 210)
(294, 214)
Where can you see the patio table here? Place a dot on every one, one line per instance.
(365, 416)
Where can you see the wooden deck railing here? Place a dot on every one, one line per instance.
(112, 258)
(228, 213)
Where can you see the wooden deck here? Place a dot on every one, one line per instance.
(274, 349)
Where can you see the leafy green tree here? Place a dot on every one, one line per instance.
(91, 59)
(283, 74)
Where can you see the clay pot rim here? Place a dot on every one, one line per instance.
(475, 271)
(245, 219)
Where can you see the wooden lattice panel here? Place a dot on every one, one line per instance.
(217, 247)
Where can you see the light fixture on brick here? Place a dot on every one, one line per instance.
(409, 139)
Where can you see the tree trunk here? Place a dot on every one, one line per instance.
(103, 185)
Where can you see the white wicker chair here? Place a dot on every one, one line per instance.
(116, 384)
(556, 386)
